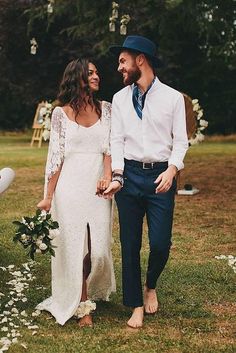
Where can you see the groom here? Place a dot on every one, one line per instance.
(148, 145)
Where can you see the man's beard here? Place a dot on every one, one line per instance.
(133, 75)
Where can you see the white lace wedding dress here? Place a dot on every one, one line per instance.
(80, 151)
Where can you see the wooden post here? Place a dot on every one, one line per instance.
(37, 136)
(38, 125)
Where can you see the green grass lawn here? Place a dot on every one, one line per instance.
(196, 291)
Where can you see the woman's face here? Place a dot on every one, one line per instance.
(93, 78)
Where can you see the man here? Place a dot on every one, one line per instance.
(148, 145)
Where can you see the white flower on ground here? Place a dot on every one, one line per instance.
(32, 327)
(4, 329)
(36, 313)
(10, 303)
(23, 313)
(194, 101)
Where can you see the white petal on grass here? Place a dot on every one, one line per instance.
(36, 313)
(4, 329)
(24, 313)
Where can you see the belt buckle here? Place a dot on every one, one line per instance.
(144, 167)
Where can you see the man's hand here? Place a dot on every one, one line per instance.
(165, 179)
(112, 189)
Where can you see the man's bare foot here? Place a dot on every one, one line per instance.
(86, 321)
(150, 300)
(136, 320)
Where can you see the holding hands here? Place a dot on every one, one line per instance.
(107, 188)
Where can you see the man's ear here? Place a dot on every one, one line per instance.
(140, 59)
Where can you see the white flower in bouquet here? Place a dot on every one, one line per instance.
(53, 233)
(43, 246)
(38, 243)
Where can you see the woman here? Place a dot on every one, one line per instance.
(78, 157)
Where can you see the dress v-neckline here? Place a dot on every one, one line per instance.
(79, 125)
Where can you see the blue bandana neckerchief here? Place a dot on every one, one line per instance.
(139, 98)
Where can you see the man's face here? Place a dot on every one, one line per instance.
(128, 68)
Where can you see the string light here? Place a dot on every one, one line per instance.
(34, 46)
(123, 24)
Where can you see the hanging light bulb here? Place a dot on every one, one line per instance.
(50, 6)
(34, 46)
(115, 7)
(123, 24)
(112, 24)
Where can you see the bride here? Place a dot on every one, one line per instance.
(78, 170)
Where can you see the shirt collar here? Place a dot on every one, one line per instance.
(149, 87)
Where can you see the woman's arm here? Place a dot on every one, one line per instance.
(103, 183)
(45, 204)
(55, 158)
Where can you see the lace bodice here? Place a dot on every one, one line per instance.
(81, 138)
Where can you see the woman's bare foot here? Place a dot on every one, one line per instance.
(150, 300)
(136, 320)
(86, 321)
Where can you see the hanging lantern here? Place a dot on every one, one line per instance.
(112, 24)
(123, 24)
(34, 46)
(115, 7)
(50, 6)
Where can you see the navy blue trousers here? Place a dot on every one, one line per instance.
(136, 199)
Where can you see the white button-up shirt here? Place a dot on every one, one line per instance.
(159, 136)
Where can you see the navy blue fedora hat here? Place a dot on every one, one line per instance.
(139, 44)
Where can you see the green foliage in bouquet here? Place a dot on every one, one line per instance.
(36, 233)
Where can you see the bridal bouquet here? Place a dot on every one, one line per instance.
(36, 233)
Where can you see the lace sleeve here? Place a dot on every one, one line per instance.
(56, 149)
(106, 115)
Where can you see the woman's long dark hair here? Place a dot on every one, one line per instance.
(74, 87)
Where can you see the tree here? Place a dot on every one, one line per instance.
(196, 42)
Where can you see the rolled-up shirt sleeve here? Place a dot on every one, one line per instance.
(179, 131)
(117, 137)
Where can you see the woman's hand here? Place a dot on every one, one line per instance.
(45, 204)
(102, 185)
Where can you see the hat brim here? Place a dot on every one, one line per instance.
(116, 50)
